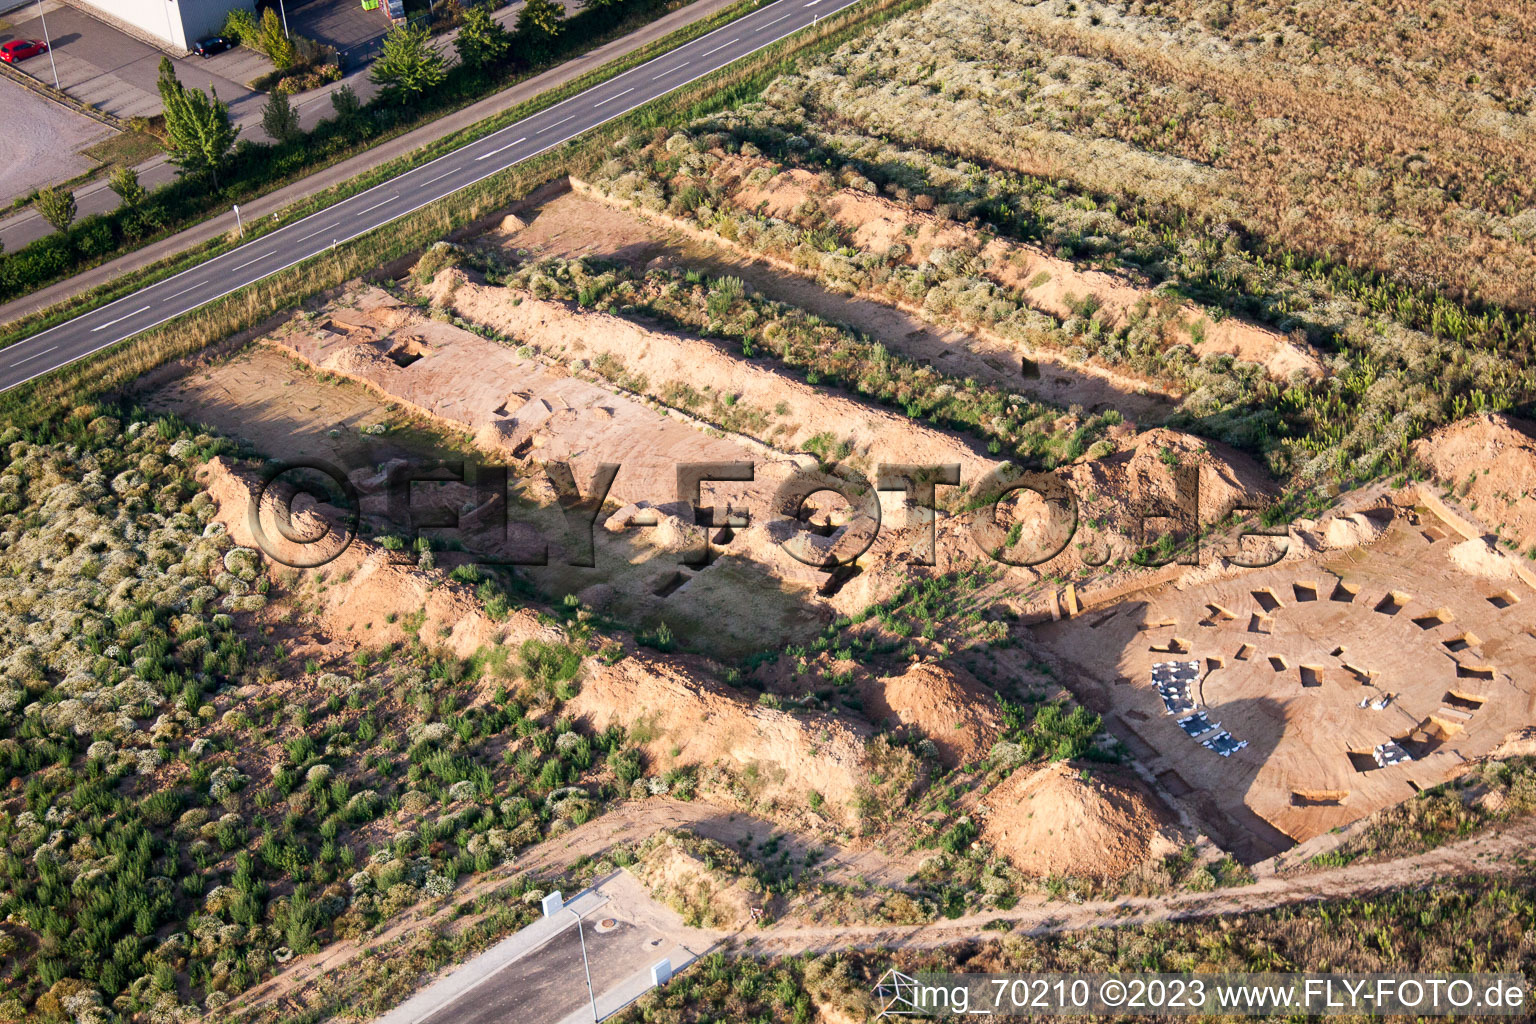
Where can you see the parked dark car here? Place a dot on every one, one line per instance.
(212, 45)
(21, 49)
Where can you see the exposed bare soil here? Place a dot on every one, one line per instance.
(1287, 656)
(1084, 820)
(579, 223)
(945, 703)
(1047, 282)
(1489, 465)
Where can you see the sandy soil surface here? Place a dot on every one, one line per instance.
(1091, 821)
(1286, 656)
(1492, 853)
(286, 411)
(42, 140)
(945, 703)
(1489, 463)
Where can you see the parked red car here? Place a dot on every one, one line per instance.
(21, 49)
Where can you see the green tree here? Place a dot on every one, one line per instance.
(279, 119)
(482, 41)
(407, 65)
(125, 182)
(345, 103)
(273, 41)
(540, 21)
(198, 126)
(57, 205)
(240, 26)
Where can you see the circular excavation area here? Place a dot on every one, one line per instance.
(1296, 699)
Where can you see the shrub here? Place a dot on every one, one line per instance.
(57, 207)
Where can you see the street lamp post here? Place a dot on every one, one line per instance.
(49, 43)
(239, 225)
(284, 11)
(587, 967)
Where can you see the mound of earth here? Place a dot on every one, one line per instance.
(662, 356)
(1356, 529)
(778, 757)
(1046, 282)
(947, 705)
(367, 595)
(1477, 557)
(1490, 463)
(1141, 478)
(1056, 822)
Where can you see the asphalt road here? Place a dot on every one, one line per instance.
(550, 984)
(132, 314)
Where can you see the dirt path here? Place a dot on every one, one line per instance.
(1038, 915)
(1491, 853)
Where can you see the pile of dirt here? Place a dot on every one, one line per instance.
(363, 593)
(1355, 529)
(662, 357)
(948, 705)
(1520, 743)
(1477, 557)
(1142, 478)
(684, 716)
(1489, 462)
(1048, 283)
(1056, 821)
(681, 716)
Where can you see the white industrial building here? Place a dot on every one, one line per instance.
(177, 23)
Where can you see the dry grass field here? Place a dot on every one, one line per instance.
(1397, 137)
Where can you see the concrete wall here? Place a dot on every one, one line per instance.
(176, 23)
(203, 18)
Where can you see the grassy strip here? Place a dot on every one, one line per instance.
(132, 281)
(76, 384)
(427, 152)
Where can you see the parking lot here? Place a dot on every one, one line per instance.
(43, 140)
(344, 24)
(115, 72)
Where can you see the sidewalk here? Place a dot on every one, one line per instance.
(384, 152)
(84, 78)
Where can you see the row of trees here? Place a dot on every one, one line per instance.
(200, 134)
(409, 65)
(218, 167)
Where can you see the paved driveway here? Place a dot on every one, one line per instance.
(115, 72)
